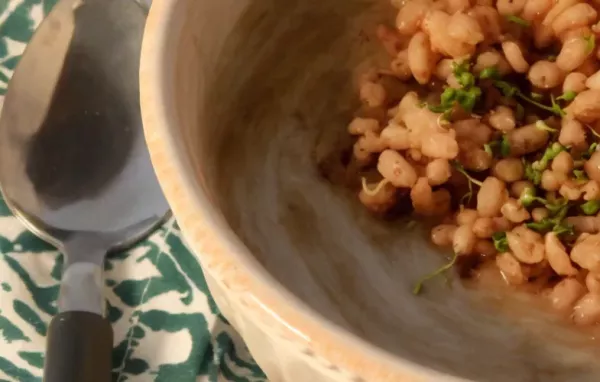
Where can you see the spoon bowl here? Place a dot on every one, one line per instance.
(74, 166)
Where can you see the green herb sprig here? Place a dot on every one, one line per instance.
(518, 20)
(558, 211)
(551, 152)
(469, 195)
(541, 125)
(466, 97)
(440, 271)
(580, 175)
(500, 242)
(590, 43)
(591, 207)
(510, 91)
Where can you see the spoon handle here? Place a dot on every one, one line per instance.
(79, 348)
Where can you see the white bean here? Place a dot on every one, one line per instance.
(514, 56)
(587, 310)
(586, 253)
(393, 167)
(565, 294)
(526, 245)
(421, 59)
(438, 171)
(572, 54)
(593, 82)
(464, 240)
(360, 126)
(557, 256)
(511, 270)
(545, 75)
(592, 282)
(574, 82)
(395, 137)
(514, 212)
(491, 197)
(576, 16)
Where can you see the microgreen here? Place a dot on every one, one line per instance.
(518, 20)
(488, 149)
(459, 167)
(544, 225)
(531, 174)
(580, 175)
(550, 153)
(500, 242)
(505, 146)
(490, 73)
(509, 91)
(541, 125)
(567, 96)
(590, 151)
(590, 43)
(440, 271)
(591, 207)
(528, 196)
(556, 223)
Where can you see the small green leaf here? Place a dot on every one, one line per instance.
(437, 108)
(543, 226)
(590, 43)
(518, 20)
(466, 80)
(488, 149)
(541, 125)
(550, 153)
(567, 96)
(559, 208)
(580, 175)
(448, 97)
(591, 207)
(564, 228)
(500, 242)
(458, 68)
(472, 98)
(490, 73)
(508, 90)
(531, 174)
(528, 196)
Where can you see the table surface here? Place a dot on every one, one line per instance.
(167, 326)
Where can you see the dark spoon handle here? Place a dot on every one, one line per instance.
(79, 348)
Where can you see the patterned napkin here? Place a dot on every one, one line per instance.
(166, 325)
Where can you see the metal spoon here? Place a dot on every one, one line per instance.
(74, 165)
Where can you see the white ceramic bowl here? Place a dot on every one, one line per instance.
(241, 99)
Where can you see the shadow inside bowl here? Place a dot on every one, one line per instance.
(265, 96)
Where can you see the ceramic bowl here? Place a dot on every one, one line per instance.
(244, 102)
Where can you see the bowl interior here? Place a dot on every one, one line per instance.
(263, 90)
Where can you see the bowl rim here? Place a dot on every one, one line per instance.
(221, 253)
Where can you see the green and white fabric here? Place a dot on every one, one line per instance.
(166, 325)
